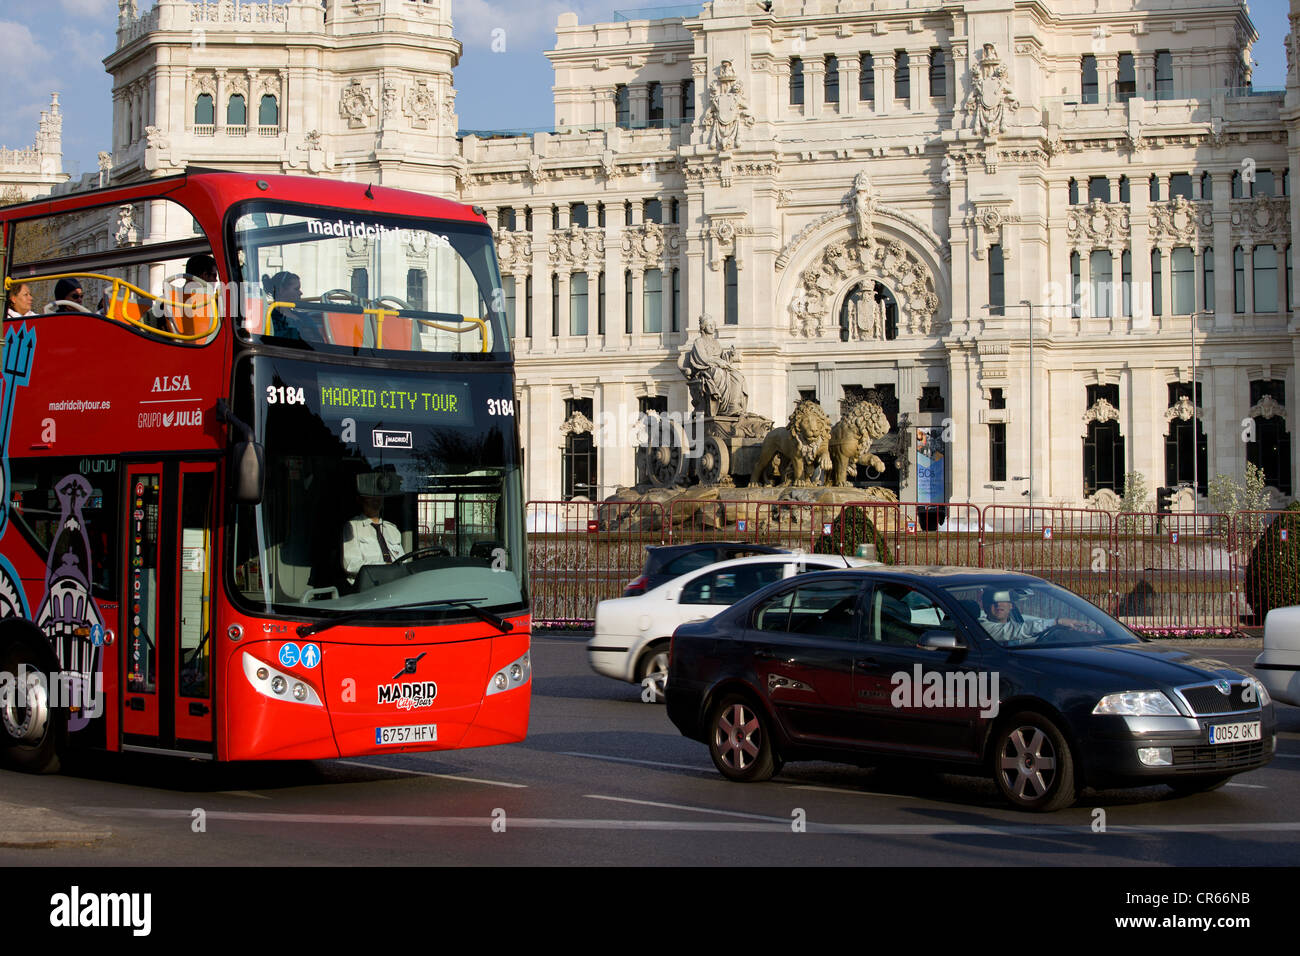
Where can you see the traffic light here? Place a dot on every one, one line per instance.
(1164, 500)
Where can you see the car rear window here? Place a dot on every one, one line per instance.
(690, 561)
(726, 587)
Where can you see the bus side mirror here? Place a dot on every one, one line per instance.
(248, 472)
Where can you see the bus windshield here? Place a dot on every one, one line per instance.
(332, 279)
(384, 488)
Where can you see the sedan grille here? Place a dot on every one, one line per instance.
(1208, 699)
(1219, 756)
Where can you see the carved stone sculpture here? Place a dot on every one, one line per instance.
(864, 209)
(850, 441)
(794, 452)
(990, 99)
(727, 110)
(717, 387)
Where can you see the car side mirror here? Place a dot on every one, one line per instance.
(940, 641)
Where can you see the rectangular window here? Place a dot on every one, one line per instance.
(997, 285)
(1098, 188)
(555, 305)
(731, 298)
(1207, 277)
(627, 301)
(1126, 282)
(688, 101)
(1264, 261)
(528, 307)
(1123, 189)
(1088, 80)
(600, 303)
(1126, 79)
(998, 451)
(831, 83)
(997, 398)
(417, 282)
(1180, 184)
(1183, 274)
(622, 107)
(796, 82)
(1207, 186)
(508, 295)
(1153, 192)
(579, 216)
(1164, 75)
(1157, 282)
(676, 301)
(578, 304)
(1290, 300)
(654, 211)
(506, 219)
(1102, 274)
(938, 74)
(1263, 184)
(652, 301)
(902, 76)
(655, 96)
(867, 78)
(1076, 284)
(1238, 280)
(1236, 185)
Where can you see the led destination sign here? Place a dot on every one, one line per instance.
(433, 401)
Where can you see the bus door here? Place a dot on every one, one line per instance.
(167, 608)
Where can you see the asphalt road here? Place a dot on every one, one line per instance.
(604, 778)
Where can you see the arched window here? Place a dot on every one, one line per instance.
(205, 112)
(268, 113)
(1271, 450)
(580, 461)
(1103, 447)
(237, 111)
(1179, 468)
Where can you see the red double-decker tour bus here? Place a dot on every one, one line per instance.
(261, 474)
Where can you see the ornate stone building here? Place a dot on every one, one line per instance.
(870, 198)
(33, 170)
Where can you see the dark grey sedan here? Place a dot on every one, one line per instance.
(972, 671)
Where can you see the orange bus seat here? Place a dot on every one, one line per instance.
(348, 328)
(399, 333)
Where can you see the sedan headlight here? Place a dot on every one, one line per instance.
(1137, 703)
(1261, 692)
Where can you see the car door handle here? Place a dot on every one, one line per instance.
(866, 662)
(764, 654)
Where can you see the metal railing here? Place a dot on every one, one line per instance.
(1159, 573)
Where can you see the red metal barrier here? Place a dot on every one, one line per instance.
(1068, 546)
(583, 552)
(1268, 556)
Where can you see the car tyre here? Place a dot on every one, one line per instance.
(1193, 785)
(740, 740)
(654, 667)
(32, 733)
(1033, 765)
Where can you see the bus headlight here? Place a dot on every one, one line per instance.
(514, 674)
(269, 682)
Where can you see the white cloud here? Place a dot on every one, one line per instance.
(22, 51)
(87, 8)
(529, 24)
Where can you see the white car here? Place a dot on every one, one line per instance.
(632, 633)
(1278, 667)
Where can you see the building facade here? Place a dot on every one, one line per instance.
(30, 171)
(1017, 226)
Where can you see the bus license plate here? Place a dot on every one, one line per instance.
(1234, 733)
(412, 734)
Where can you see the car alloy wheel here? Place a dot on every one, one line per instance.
(654, 669)
(740, 741)
(1032, 764)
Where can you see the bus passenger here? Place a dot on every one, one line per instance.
(67, 295)
(297, 324)
(20, 301)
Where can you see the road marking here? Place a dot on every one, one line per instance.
(1248, 786)
(646, 763)
(857, 793)
(244, 793)
(440, 776)
(680, 806)
(755, 826)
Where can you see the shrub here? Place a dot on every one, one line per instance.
(1273, 570)
(851, 528)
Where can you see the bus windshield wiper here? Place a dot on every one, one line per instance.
(307, 630)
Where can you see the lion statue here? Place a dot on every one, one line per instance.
(800, 448)
(851, 439)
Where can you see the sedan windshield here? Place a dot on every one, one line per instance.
(384, 489)
(1038, 614)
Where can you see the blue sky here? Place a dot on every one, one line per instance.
(60, 45)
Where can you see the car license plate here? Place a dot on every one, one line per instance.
(411, 734)
(1234, 733)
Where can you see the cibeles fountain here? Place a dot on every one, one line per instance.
(723, 452)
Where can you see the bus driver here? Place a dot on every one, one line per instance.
(368, 538)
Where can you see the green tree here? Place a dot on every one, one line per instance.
(1273, 569)
(853, 527)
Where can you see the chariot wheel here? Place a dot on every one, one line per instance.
(715, 461)
(665, 456)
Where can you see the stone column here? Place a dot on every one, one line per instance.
(1249, 249)
(565, 325)
(884, 82)
(1085, 283)
(672, 104)
(814, 76)
(638, 106)
(638, 302)
(917, 63)
(850, 71)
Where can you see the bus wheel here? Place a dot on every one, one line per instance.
(31, 731)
